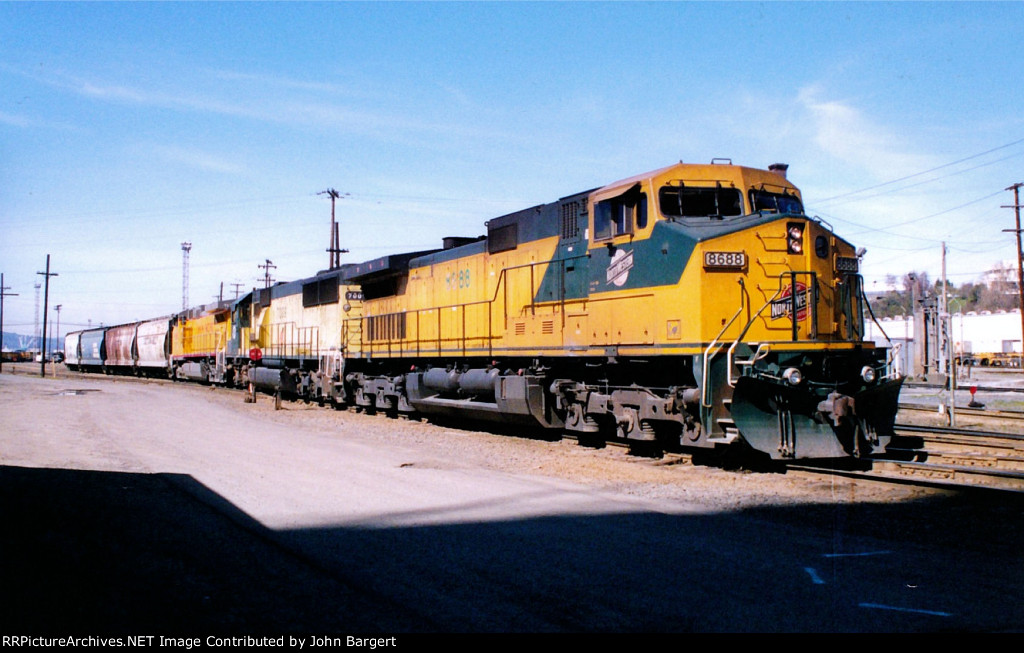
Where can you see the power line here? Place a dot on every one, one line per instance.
(929, 181)
(918, 174)
(931, 215)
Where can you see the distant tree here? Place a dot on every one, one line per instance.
(899, 302)
(970, 293)
(891, 304)
(996, 291)
(915, 284)
(950, 288)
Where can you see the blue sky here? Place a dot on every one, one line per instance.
(129, 128)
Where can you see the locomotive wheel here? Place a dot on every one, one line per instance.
(592, 440)
(579, 422)
(646, 449)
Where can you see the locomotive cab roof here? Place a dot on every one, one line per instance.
(716, 174)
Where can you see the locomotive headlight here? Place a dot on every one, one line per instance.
(793, 376)
(795, 238)
(868, 374)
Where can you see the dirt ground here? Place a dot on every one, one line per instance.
(56, 498)
(538, 453)
(668, 479)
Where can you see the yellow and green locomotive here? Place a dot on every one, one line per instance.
(696, 306)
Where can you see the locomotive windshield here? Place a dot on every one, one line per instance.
(684, 202)
(767, 202)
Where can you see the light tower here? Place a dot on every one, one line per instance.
(57, 308)
(185, 249)
(35, 327)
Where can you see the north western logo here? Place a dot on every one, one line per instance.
(618, 269)
(783, 306)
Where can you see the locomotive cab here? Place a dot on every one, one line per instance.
(717, 268)
(802, 357)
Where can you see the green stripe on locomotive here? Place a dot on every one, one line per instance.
(658, 260)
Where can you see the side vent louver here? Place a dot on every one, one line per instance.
(573, 213)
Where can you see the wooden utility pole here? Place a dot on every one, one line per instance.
(3, 293)
(46, 303)
(947, 344)
(334, 247)
(1020, 262)
(268, 266)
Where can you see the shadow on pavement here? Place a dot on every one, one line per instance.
(103, 552)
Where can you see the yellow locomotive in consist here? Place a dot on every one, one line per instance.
(696, 305)
(199, 345)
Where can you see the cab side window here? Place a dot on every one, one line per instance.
(620, 215)
(697, 202)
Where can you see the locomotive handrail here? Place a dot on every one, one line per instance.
(501, 283)
(300, 341)
(763, 350)
(892, 361)
(743, 332)
(793, 308)
(705, 399)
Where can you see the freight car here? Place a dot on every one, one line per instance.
(139, 348)
(695, 306)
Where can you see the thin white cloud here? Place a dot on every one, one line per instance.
(845, 132)
(280, 109)
(15, 121)
(287, 82)
(27, 122)
(179, 101)
(112, 93)
(194, 158)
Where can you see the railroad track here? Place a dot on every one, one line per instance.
(965, 411)
(944, 456)
(925, 455)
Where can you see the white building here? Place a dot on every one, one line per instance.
(972, 333)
